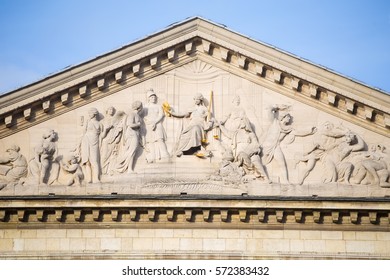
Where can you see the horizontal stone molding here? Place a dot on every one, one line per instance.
(124, 211)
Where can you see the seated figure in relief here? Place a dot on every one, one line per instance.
(192, 137)
(110, 138)
(246, 148)
(13, 166)
(155, 135)
(131, 141)
(44, 168)
(280, 127)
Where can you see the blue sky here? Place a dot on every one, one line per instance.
(42, 37)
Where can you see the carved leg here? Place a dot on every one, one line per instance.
(279, 157)
(150, 150)
(306, 171)
(358, 178)
(45, 165)
(259, 168)
(77, 180)
(372, 167)
(87, 172)
(162, 147)
(384, 175)
(330, 171)
(95, 170)
(346, 171)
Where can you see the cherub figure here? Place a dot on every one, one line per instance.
(71, 172)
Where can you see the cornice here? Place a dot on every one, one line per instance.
(181, 44)
(196, 212)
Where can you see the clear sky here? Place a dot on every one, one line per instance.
(42, 37)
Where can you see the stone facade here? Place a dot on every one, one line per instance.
(195, 142)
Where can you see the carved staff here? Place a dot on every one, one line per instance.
(208, 118)
(216, 130)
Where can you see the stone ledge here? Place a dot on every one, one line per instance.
(226, 255)
(192, 211)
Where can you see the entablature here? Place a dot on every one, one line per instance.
(196, 211)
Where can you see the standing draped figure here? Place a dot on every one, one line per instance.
(131, 140)
(89, 148)
(155, 137)
(110, 139)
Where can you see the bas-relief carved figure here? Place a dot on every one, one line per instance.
(245, 147)
(44, 167)
(132, 140)
(71, 172)
(280, 127)
(192, 137)
(155, 135)
(336, 165)
(110, 146)
(13, 166)
(90, 147)
(110, 139)
(324, 140)
(372, 167)
(232, 120)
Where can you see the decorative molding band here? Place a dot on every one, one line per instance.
(226, 212)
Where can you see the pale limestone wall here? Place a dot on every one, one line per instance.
(192, 243)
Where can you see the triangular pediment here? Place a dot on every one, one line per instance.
(188, 58)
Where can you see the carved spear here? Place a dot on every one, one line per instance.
(216, 130)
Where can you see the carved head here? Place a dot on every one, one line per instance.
(93, 112)
(49, 134)
(349, 137)
(285, 118)
(236, 100)
(198, 98)
(110, 111)
(13, 152)
(136, 106)
(15, 148)
(151, 96)
(327, 126)
(73, 160)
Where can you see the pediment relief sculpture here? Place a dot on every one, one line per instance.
(120, 143)
(218, 110)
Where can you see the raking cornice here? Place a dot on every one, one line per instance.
(178, 45)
